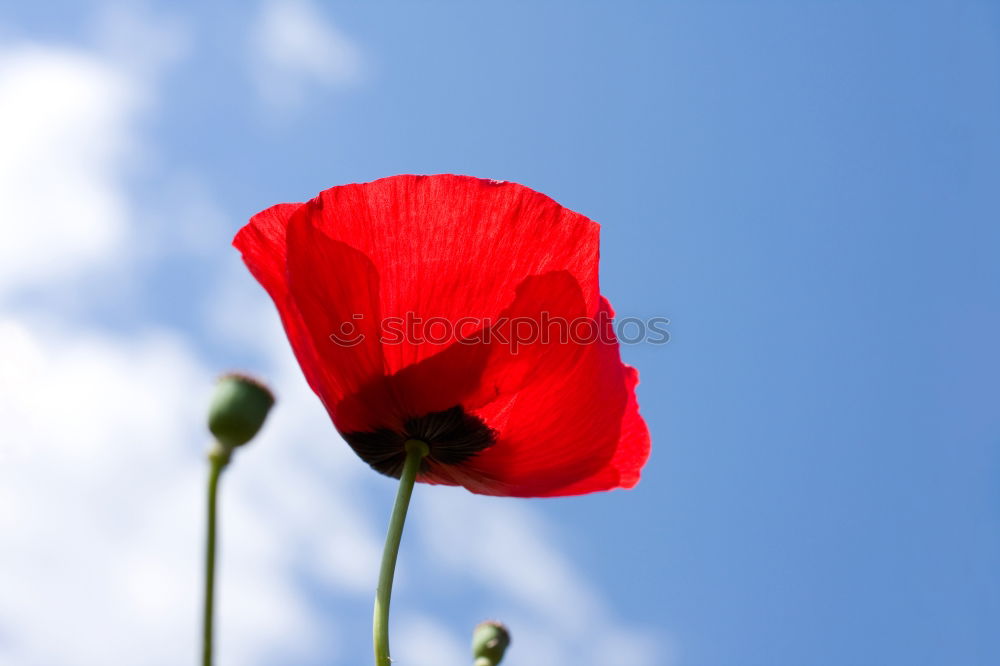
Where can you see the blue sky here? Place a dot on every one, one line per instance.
(807, 190)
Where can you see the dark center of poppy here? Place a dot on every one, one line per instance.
(451, 435)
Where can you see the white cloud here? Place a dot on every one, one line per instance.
(64, 128)
(70, 138)
(293, 47)
(101, 486)
(101, 435)
(502, 544)
(554, 614)
(139, 41)
(423, 641)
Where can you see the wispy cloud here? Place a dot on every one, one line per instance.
(101, 435)
(69, 127)
(65, 119)
(428, 642)
(295, 48)
(556, 614)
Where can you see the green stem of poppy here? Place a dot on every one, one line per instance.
(415, 452)
(217, 459)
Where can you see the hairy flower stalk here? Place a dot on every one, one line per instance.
(218, 458)
(416, 450)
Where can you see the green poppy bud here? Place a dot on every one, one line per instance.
(489, 641)
(238, 409)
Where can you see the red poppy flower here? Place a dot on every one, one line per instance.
(438, 308)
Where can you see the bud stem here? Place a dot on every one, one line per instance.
(415, 452)
(217, 459)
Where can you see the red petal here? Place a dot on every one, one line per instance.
(454, 246)
(495, 363)
(262, 244)
(335, 288)
(486, 367)
(574, 432)
(624, 467)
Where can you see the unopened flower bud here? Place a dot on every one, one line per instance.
(238, 409)
(489, 641)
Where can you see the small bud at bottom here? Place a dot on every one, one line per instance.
(489, 642)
